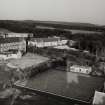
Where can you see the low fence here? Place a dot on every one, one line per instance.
(62, 99)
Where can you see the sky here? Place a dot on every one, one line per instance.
(86, 11)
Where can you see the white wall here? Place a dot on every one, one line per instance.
(81, 69)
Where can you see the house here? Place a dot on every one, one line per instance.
(12, 43)
(81, 69)
(47, 42)
(79, 65)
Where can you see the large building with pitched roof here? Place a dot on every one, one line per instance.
(47, 42)
(12, 43)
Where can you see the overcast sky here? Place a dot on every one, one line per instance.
(92, 11)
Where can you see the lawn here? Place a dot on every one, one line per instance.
(67, 84)
(28, 60)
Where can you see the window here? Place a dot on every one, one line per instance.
(87, 71)
(72, 69)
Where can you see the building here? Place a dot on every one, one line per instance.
(12, 43)
(79, 65)
(23, 35)
(16, 34)
(47, 42)
(72, 43)
(10, 55)
(12, 34)
(81, 69)
(4, 33)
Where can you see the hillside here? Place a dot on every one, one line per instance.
(30, 25)
(68, 25)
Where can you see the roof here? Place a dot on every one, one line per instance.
(46, 39)
(65, 47)
(65, 84)
(9, 40)
(79, 66)
(99, 98)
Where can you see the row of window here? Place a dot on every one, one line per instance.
(80, 70)
(41, 44)
(5, 47)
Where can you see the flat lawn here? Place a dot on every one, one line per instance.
(67, 84)
(28, 60)
(82, 31)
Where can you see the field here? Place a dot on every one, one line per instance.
(84, 31)
(66, 84)
(28, 60)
